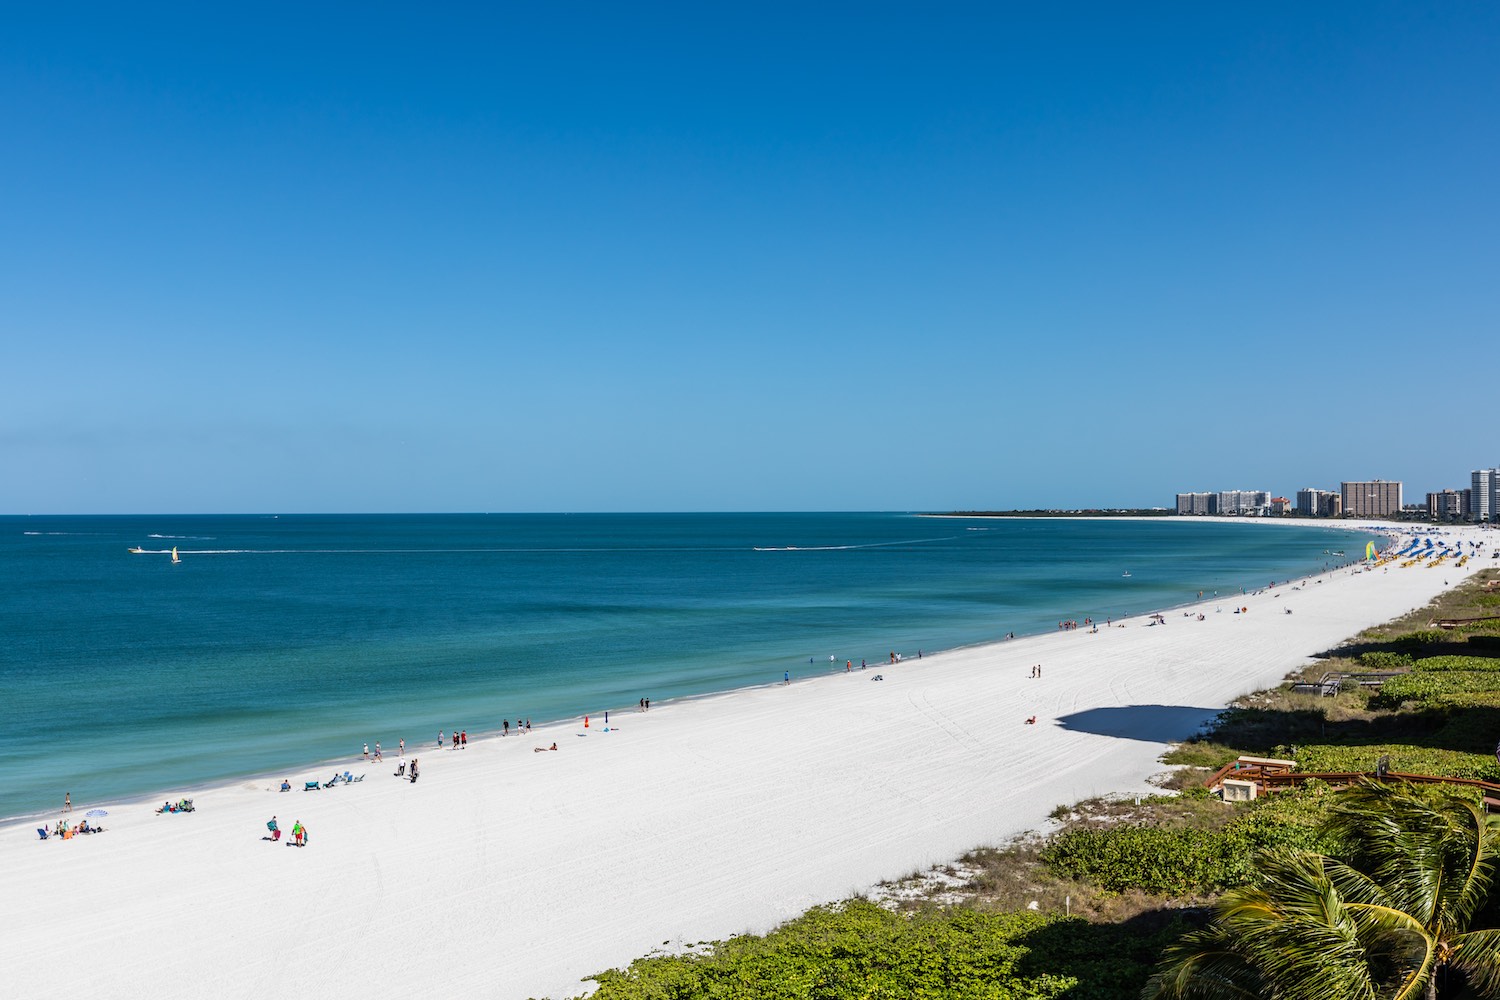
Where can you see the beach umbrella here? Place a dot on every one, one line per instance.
(96, 813)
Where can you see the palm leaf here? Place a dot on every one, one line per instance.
(1477, 953)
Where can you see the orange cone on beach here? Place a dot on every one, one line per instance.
(585, 722)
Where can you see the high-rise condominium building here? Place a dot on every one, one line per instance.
(1484, 495)
(1376, 498)
(1315, 503)
(1197, 503)
(1448, 505)
(1244, 501)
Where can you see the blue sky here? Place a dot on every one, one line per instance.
(766, 257)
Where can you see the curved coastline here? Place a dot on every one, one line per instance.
(704, 818)
(342, 762)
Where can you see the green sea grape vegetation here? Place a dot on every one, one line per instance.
(857, 950)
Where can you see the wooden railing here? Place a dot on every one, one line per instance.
(1459, 622)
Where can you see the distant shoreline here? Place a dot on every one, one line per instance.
(1120, 512)
(1157, 513)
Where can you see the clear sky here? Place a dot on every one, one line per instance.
(622, 256)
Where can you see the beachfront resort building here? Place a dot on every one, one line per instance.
(1448, 505)
(1484, 495)
(1232, 503)
(1197, 503)
(1319, 503)
(1245, 502)
(1372, 498)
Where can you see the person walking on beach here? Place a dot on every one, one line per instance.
(367, 751)
(464, 739)
(377, 751)
(786, 677)
(275, 830)
(299, 834)
(67, 802)
(505, 727)
(440, 739)
(401, 748)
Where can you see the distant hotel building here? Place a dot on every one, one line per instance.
(1319, 503)
(1450, 505)
(1484, 495)
(1375, 498)
(1229, 502)
(1197, 503)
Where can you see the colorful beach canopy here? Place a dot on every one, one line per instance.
(1370, 551)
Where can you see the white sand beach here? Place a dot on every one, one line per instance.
(508, 873)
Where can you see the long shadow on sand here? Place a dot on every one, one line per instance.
(1150, 723)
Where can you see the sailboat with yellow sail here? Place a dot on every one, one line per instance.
(175, 560)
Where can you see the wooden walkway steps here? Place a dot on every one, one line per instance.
(1334, 681)
(1460, 622)
(1270, 774)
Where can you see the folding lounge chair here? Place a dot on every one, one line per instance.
(310, 786)
(41, 832)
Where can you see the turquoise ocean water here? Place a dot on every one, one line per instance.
(278, 642)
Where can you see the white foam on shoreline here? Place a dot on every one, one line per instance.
(507, 873)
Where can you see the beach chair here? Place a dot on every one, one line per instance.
(330, 784)
(41, 832)
(310, 786)
(360, 777)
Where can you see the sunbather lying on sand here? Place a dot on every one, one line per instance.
(543, 749)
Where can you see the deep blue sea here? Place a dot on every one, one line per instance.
(279, 641)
